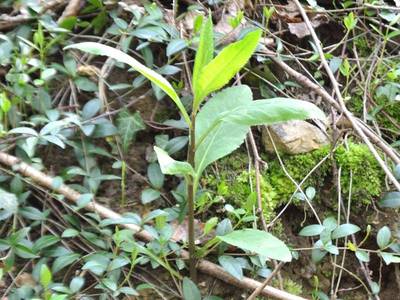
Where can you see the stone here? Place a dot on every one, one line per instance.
(294, 137)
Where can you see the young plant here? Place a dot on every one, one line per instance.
(219, 126)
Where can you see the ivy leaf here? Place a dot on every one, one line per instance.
(259, 242)
(128, 125)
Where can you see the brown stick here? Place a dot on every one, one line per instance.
(265, 283)
(203, 265)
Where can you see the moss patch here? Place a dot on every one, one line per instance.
(236, 184)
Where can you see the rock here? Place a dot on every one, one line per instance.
(294, 137)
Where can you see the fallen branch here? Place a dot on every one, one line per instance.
(203, 265)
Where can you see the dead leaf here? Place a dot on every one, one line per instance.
(181, 232)
(25, 279)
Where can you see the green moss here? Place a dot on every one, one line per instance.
(236, 184)
(289, 286)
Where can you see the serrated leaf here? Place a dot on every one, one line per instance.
(259, 242)
(99, 49)
(128, 125)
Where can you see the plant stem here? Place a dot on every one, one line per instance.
(191, 196)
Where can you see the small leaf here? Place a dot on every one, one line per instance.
(231, 265)
(390, 200)
(176, 46)
(76, 284)
(190, 290)
(383, 237)
(149, 195)
(311, 230)
(45, 276)
(155, 175)
(344, 230)
(259, 242)
(170, 166)
(362, 255)
(390, 258)
(396, 172)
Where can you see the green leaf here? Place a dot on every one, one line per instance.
(156, 177)
(161, 82)
(171, 166)
(383, 237)
(232, 266)
(204, 55)
(345, 230)
(311, 230)
(149, 195)
(63, 261)
(214, 138)
(390, 200)
(45, 241)
(190, 290)
(362, 255)
(128, 125)
(276, 110)
(390, 258)
(76, 284)
(228, 62)
(259, 242)
(69, 233)
(45, 276)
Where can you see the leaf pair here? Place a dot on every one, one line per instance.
(210, 74)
